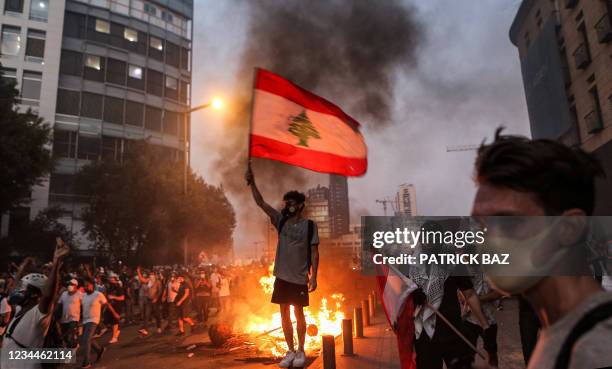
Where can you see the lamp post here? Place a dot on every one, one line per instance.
(217, 104)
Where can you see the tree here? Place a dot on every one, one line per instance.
(37, 237)
(137, 209)
(301, 127)
(24, 154)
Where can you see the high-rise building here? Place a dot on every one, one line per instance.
(317, 209)
(405, 200)
(565, 47)
(103, 73)
(338, 205)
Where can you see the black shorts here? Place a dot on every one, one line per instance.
(183, 311)
(289, 293)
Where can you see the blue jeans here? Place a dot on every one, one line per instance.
(88, 342)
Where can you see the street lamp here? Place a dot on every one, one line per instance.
(216, 104)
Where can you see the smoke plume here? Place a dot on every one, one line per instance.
(345, 51)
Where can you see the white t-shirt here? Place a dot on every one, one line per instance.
(92, 306)
(224, 290)
(71, 306)
(215, 278)
(172, 290)
(30, 332)
(5, 308)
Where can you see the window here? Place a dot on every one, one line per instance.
(134, 112)
(67, 102)
(75, 25)
(88, 147)
(153, 119)
(62, 184)
(156, 48)
(92, 61)
(155, 84)
(113, 110)
(135, 72)
(167, 16)
(130, 35)
(173, 54)
(35, 46)
(171, 90)
(91, 105)
(11, 40)
(184, 92)
(136, 77)
(111, 148)
(94, 68)
(30, 87)
(71, 63)
(170, 122)
(14, 6)
(64, 143)
(115, 71)
(9, 75)
(117, 35)
(39, 10)
(594, 119)
(102, 26)
(150, 9)
(185, 58)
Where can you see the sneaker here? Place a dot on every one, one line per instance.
(143, 332)
(180, 333)
(113, 340)
(300, 359)
(100, 353)
(287, 360)
(86, 365)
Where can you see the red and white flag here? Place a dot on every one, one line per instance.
(395, 291)
(295, 126)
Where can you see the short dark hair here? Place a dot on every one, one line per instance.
(560, 177)
(296, 196)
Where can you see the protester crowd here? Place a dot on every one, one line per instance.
(93, 302)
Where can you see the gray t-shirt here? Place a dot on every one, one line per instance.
(291, 262)
(592, 349)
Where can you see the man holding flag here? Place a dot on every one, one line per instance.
(294, 126)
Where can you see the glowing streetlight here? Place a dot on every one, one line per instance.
(217, 103)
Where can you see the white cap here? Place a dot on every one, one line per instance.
(35, 280)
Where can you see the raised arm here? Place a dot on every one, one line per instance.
(250, 178)
(49, 295)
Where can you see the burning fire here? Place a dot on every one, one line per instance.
(327, 320)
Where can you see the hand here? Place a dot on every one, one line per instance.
(312, 284)
(178, 304)
(117, 316)
(61, 250)
(250, 178)
(419, 297)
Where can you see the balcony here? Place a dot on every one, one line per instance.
(593, 121)
(604, 29)
(582, 58)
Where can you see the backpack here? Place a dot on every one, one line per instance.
(281, 224)
(592, 318)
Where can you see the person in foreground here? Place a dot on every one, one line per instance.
(296, 252)
(30, 325)
(516, 176)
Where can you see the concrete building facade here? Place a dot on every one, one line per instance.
(103, 73)
(565, 48)
(405, 200)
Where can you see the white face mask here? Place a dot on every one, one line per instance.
(523, 272)
(71, 288)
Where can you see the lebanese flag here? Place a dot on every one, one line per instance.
(395, 291)
(297, 127)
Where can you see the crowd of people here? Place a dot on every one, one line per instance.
(91, 300)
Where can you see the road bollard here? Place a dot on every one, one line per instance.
(329, 352)
(372, 305)
(366, 312)
(347, 337)
(358, 316)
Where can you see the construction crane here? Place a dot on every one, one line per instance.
(462, 148)
(384, 203)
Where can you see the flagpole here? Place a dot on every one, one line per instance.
(439, 314)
